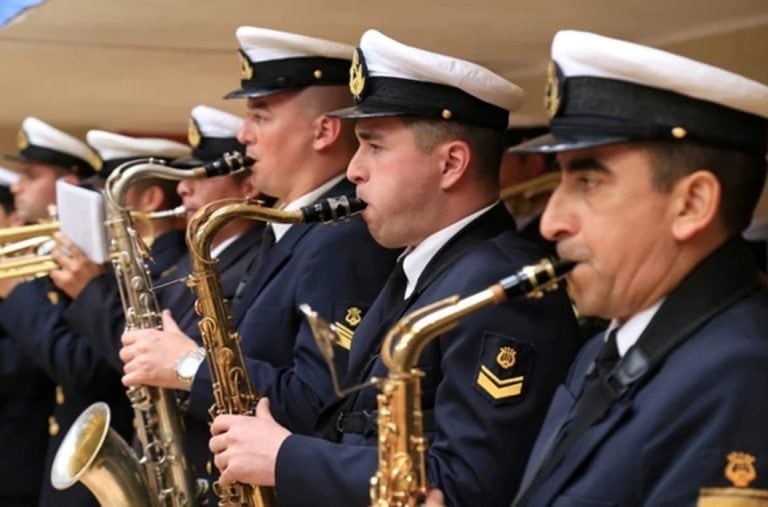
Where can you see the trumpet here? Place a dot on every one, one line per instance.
(33, 236)
(520, 198)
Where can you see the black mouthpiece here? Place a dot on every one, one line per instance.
(332, 209)
(229, 163)
(537, 277)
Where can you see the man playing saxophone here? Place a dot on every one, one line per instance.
(427, 166)
(34, 311)
(289, 81)
(211, 132)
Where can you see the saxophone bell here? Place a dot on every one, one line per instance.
(96, 455)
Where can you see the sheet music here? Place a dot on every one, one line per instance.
(82, 215)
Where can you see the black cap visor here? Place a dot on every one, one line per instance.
(549, 143)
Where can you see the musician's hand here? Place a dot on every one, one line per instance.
(149, 355)
(76, 271)
(246, 447)
(435, 499)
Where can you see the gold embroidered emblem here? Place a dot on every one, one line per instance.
(246, 69)
(356, 76)
(22, 141)
(354, 316)
(53, 297)
(95, 160)
(193, 133)
(552, 91)
(506, 357)
(740, 469)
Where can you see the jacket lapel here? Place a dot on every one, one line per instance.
(279, 255)
(721, 279)
(488, 225)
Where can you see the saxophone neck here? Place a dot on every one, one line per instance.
(405, 341)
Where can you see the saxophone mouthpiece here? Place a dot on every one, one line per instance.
(332, 209)
(534, 279)
(230, 162)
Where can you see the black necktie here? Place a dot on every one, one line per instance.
(267, 242)
(392, 294)
(589, 409)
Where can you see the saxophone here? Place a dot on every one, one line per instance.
(401, 476)
(232, 390)
(92, 452)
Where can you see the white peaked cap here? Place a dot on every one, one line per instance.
(213, 122)
(588, 54)
(387, 57)
(264, 44)
(389, 78)
(39, 141)
(7, 177)
(605, 91)
(272, 61)
(111, 146)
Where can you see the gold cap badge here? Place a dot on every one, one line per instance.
(22, 140)
(95, 160)
(552, 91)
(193, 133)
(357, 75)
(246, 68)
(740, 469)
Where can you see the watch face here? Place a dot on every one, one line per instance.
(188, 365)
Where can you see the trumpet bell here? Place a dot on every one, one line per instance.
(97, 456)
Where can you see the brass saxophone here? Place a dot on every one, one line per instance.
(93, 453)
(232, 390)
(400, 479)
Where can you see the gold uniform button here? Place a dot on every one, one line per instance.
(209, 467)
(53, 426)
(60, 395)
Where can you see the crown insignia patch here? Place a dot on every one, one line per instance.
(505, 364)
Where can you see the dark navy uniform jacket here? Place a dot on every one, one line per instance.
(336, 269)
(694, 428)
(485, 416)
(26, 401)
(34, 312)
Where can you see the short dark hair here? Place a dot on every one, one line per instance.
(741, 176)
(487, 145)
(171, 198)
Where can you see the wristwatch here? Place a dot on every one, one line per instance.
(187, 365)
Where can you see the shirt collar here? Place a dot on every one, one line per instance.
(216, 251)
(628, 333)
(416, 259)
(304, 200)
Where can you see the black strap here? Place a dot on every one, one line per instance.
(365, 422)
